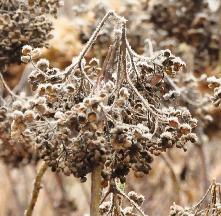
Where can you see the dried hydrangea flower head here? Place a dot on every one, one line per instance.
(24, 22)
(111, 115)
(184, 89)
(165, 22)
(200, 28)
(16, 149)
(215, 83)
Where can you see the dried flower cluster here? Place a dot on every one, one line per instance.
(215, 83)
(15, 150)
(169, 23)
(191, 22)
(114, 116)
(184, 89)
(115, 112)
(115, 205)
(24, 22)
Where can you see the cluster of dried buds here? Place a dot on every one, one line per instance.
(169, 23)
(115, 205)
(215, 83)
(176, 210)
(113, 116)
(191, 22)
(45, 6)
(209, 205)
(24, 22)
(184, 89)
(15, 150)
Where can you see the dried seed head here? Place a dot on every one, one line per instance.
(25, 59)
(26, 50)
(124, 93)
(23, 24)
(18, 115)
(128, 211)
(92, 117)
(43, 64)
(29, 115)
(35, 53)
(59, 115)
(17, 105)
(193, 122)
(185, 128)
(41, 108)
(173, 122)
(104, 207)
(139, 199)
(82, 118)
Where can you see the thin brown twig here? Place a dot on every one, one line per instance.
(145, 102)
(111, 206)
(7, 87)
(36, 190)
(116, 202)
(89, 43)
(48, 194)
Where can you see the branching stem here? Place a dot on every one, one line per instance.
(89, 43)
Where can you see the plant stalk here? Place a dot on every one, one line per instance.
(95, 191)
(36, 190)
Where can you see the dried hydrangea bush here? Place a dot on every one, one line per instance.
(190, 87)
(21, 23)
(166, 24)
(215, 84)
(112, 116)
(200, 28)
(24, 22)
(15, 152)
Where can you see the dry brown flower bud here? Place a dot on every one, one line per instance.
(185, 128)
(36, 53)
(173, 122)
(29, 115)
(18, 116)
(124, 93)
(92, 117)
(41, 108)
(43, 64)
(17, 105)
(26, 49)
(82, 118)
(104, 207)
(25, 59)
(139, 199)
